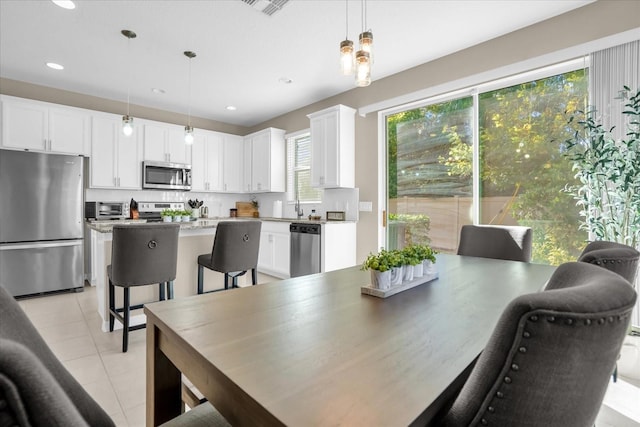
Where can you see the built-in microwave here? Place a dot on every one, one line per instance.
(166, 176)
(106, 210)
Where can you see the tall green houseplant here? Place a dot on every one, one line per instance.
(609, 174)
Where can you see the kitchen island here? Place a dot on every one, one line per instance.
(196, 238)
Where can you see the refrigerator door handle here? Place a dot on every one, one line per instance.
(51, 244)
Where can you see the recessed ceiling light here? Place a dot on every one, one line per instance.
(55, 66)
(285, 80)
(157, 90)
(231, 108)
(65, 4)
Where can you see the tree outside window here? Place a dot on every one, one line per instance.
(522, 167)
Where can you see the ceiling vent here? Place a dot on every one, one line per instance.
(268, 7)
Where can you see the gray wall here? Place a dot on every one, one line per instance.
(595, 21)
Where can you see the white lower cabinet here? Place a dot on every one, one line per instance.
(273, 258)
(115, 158)
(338, 243)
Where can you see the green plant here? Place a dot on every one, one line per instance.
(254, 202)
(412, 255)
(166, 212)
(425, 252)
(383, 261)
(609, 174)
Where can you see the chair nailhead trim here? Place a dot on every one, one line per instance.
(515, 367)
(507, 380)
(610, 319)
(500, 395)
(587, 322)
(534, 318)
(522, 349)
(484, 422)
(569, 321)
(551, 319)
(491, 409)
(526, 334)
(601, 321)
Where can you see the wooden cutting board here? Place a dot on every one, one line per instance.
(245, 209)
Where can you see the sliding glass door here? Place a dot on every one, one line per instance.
(513, 138)
(429, 174)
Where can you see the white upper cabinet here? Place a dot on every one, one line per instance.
(264, 161)
(115, 158)
(232, 166)
(206, 167)
(165, 143)
(333, 147)
(40, 126)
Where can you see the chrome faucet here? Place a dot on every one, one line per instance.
(299, 210)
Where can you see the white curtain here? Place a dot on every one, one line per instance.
(610, 70)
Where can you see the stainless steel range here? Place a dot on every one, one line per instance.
(151, 210)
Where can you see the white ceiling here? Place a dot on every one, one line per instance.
(241, 53)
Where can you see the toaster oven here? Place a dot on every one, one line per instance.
(106, 210)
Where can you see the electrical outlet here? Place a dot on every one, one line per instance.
(365, 206)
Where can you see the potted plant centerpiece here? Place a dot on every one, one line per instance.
(428, 256)
(386, 268)
(166, 215)
(413, 259)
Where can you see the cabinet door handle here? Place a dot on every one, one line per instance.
(225, 187)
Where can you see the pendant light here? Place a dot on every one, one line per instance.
(127, 120)
(346, 48)
(364, 55)
(188, 129)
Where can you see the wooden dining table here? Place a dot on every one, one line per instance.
(314, 350)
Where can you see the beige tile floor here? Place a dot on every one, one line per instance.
(70, 325)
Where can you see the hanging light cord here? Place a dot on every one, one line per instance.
(346, 8)
(130, 72)
(189, 96)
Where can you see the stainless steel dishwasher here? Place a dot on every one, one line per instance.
(304, 249)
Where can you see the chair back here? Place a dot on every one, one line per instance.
(498, 242)
(549, 359)
(36, 389)
(236, 246)
(619, 258)
(143, 254)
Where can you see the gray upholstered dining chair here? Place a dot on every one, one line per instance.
(235, 251)
(493, 241)
(613, 256)
(617, 257)
(549, 358)
(141, 254)
(36, 389)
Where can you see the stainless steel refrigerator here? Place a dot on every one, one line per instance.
(41, 222)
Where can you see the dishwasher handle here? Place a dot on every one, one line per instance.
(305, 228)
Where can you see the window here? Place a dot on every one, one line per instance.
(299, 169)
(493, 157)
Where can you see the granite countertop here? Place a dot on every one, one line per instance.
(107, 226)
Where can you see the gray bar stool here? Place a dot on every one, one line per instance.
(141, 254)
(235, 251)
